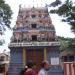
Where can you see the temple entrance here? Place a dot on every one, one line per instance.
(35, 55)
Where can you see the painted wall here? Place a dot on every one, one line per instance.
(16, 61)
(53, 52)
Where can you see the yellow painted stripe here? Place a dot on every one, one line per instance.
(24, 56)
(45, 54)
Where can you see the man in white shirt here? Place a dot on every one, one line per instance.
(44, 68)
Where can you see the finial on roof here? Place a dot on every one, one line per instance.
(19, 6)
(45, 5)
(33, 3)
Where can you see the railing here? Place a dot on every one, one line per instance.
(27, 44)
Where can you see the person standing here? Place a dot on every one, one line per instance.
(44, 68)
(23, 70)
(30, 70)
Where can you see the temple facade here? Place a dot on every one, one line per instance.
(34, 39)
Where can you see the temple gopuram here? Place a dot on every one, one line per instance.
(34, 38)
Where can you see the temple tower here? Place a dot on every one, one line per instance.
(34, 39)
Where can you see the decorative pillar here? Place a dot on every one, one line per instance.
(24, 56)
(45, 54)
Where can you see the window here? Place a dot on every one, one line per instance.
(34, 38)
(68, 58)
(65, 58)
(33, 16)
(33, 25)
(2, 58)
(71, 58)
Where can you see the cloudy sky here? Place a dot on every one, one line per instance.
(62, 29)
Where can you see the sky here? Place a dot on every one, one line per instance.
(62, 29)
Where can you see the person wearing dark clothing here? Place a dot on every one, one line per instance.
(30, 70)
(23, 70)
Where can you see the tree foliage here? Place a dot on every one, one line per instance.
(5, 19)
(66, 43)
(5, 15)
(67, 10)
(56, 3)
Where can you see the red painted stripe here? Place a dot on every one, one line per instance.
(65, 72)
(70, 69)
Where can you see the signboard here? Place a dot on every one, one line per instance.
(34, 44)
(55, 61)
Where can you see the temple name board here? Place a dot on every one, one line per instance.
(26, 44)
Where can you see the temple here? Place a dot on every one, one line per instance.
(34, 38)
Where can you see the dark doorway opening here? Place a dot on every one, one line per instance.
(33, 25)
(34, 37)
(33, 16)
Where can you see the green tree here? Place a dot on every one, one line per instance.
(5, 18)
(66, 10)
(66, 43)
(5, 15)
